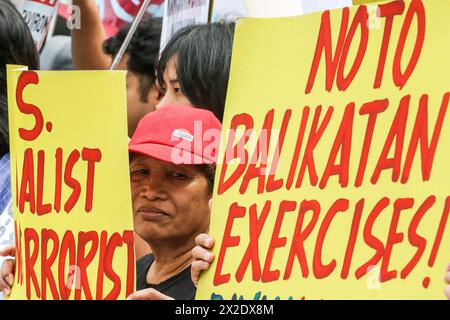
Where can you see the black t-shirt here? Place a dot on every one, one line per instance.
(179, 287)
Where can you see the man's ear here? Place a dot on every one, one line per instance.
(153, 96)
(210, 205)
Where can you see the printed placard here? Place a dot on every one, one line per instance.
(70, 185)
(179, 14)
(38, 15)
(345, 193)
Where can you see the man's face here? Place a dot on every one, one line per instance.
(170, 202)
(136, 108)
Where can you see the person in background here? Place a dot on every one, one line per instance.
(140, 59)
(194, 67)
(16, 47)
(91, 50)
(56, 54)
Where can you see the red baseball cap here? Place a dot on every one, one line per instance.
(178, 134)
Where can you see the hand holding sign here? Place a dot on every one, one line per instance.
(202, 255)
(7, 270)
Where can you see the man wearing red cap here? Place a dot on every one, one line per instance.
(172, 163)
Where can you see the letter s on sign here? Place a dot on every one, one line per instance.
(26, 78)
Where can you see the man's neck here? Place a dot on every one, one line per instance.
(166, 266)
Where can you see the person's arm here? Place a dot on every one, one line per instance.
(87, 42)
(7, 270)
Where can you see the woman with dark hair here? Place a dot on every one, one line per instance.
(194, 67)
(16, 47)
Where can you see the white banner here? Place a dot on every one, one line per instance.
(38, 15)
(310, 6)
(181, 13)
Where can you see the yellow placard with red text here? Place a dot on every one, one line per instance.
(333, 174)
(70, 185)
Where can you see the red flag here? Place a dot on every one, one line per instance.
(116, 13)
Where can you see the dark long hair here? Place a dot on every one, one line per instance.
(203, 64)
(16, 47)
(143, 52)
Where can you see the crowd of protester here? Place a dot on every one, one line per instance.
(184, 84)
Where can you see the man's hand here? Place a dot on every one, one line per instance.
(7, 270)
(202, 256)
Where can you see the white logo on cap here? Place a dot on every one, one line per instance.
(183, 135)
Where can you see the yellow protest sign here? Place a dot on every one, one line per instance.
(70, 185)
(333, 181)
